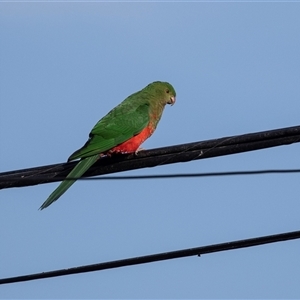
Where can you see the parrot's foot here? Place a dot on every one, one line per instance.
(138, 150)
(110, 153)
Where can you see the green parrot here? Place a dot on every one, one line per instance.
(122, 130)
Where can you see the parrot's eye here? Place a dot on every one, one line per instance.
(167, 91)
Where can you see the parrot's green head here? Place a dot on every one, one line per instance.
(163, 91)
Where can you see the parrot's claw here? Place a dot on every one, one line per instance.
(138, 150)
(110, 153)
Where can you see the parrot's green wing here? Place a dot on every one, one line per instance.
(118, 126)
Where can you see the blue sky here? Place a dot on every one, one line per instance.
(236, 70)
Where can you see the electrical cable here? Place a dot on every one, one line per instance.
(158, 257)
(179, 175)
(156, 157)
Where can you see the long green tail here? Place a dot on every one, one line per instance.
(78, 170)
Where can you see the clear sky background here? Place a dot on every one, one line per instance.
(236, 70)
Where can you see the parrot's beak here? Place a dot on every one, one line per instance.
(172, 100)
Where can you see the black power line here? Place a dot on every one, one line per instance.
(159, 257)
(155, 157)
(172, 176)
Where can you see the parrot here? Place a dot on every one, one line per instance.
(121, 131)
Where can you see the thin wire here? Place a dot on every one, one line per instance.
(159, 257)
(191, 175)
(170, 176)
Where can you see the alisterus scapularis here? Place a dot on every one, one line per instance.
(122, 130)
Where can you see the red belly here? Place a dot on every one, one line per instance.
(134, 143)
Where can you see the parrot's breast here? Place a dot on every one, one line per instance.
(134, 143)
